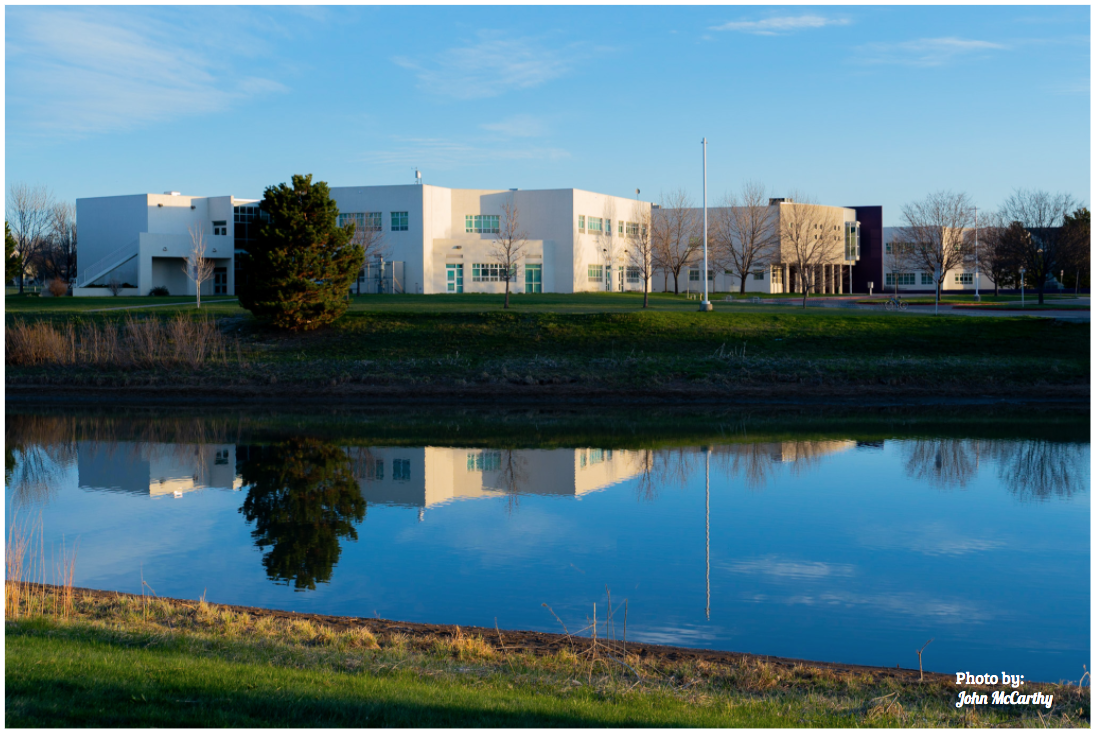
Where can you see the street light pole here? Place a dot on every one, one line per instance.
(977, 295)
(705, 305)
(1022, 288)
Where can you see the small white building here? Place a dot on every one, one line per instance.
(141, 241)
(895, 275)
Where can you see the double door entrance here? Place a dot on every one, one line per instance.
(454, 278)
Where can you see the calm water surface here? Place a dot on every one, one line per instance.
(826, 548)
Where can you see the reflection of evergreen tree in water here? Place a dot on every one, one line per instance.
(302, 496)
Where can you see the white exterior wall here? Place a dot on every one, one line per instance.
(890, 234)
(159, 225)
(436, 233)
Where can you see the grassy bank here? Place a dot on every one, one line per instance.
(121, 660)
(594, 344)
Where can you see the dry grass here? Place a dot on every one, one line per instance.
(132, 342)
(26, 571)
(601, 668)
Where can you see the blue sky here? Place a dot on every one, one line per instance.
(850, 105)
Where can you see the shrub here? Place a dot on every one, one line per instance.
(159, 291)
(57, 287)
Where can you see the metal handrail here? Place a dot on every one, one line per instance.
(105, 264)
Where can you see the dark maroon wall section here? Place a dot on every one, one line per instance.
(870, 266)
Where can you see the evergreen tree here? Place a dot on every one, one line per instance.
(302, 265)
(12, 262)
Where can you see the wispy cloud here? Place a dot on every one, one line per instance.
(493, 67)
(786, 569)
(445, 154)
(926, 52)
(75, 72)
(779, 25)
(518, 126)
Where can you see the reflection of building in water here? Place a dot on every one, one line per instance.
(155, 468)
(427, 476)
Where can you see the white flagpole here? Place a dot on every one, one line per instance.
(705, 305)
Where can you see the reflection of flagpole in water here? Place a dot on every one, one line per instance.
(422, 512)
(707, 534)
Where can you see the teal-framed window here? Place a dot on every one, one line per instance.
(481, 223)
(399, 222)
(534, 278)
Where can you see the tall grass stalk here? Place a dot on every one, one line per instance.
(26, 570)
(132, 342)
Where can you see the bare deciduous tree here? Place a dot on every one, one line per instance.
(198, 267)
(370, 238)
(640, 247)
(993, 252)
(509, 245)
(933, 239)
(30, 215)
(810, 236)
(1042, 214)
(59, 254)
(744, 232)
(676, 240)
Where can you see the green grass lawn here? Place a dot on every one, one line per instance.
(128, 661)
(602, 340)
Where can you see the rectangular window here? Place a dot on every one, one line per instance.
(635, 275)
(904, 279)
(927, 279)
(401, 469)
(694, 274)
(759, 275)
(481, 223)
(595, 273)
(778, 276)
(632, 229)
(620, 227)
(491, 272)
(484, 461)
(220, 227)
(379, 473)
(965, 279)
(399, 222)
(363, 221)
(582, 223)
(593, 225)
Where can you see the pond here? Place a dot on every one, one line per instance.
(851, 537)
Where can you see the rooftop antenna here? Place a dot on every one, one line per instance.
(418, 176)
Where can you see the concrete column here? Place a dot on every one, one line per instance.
(840, 279)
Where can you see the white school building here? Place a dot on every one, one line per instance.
(436, 239)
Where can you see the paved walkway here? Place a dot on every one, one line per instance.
(149, 306)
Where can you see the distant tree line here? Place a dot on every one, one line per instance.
(40, 238)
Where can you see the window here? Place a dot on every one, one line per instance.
(595, 273)
(759, 275)
(593, 225)
(399, 222)
(904, 279)
(635, 275)
(220, 281)
(401, 469)
(482, 223)
(221, 457)
(378, 473)
(220, 227)
(778, 276)
(582, 223)
(632, 229)
(492, 272)
(484, 461)
(927, 279)
(966, 279)
(597, 456)
(694, 274)
(620, 227)
(363, 221)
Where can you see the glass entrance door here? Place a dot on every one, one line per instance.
(533, 278)
(454, 278)
(220, 281)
